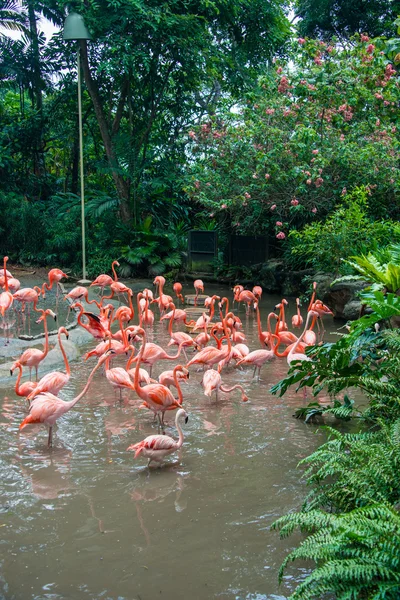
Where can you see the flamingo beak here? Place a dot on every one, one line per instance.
(186, 419)
(11, 371)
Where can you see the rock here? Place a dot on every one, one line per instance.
(351, 310)
(271, 275)
(342, 299)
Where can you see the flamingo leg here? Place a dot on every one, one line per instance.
(36, 368)
(183, 350)
(120, 394)
(50, 440)
(254, 372)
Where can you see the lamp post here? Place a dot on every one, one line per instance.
(75, 29)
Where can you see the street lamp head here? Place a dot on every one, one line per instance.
(75, 28)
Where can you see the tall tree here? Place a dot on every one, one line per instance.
(148, 65)
(344, 18)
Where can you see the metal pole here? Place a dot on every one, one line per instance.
(81, 168)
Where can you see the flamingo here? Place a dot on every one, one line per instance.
(212, 382)
(157, 397)
(13, 284)
(54, 276)
(25, 388)
(163, 300)
(153, 353)
(257, 291)
(53, 382)
(179, 337)
(264, 336)
(199, 287)
(119, 377)
(167, 377)
(293, 355)
(297, 319)
(104, 280)
(321, 310)
(210, 355)
(6, 298)
(157, 447)
(33, 356)
(94, 327)
(144, 376)
(237, 289)
(258, 357)
(177, 287)
(47, 408)
(146, 315)
(281, 324)
(248, 297)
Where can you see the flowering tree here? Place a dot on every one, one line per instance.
(315, 127)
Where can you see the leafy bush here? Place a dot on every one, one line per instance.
(348, 230)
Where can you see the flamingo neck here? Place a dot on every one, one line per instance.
(128, 364)
(177, 385)
(5, 274)
(67, 367)
(113, 270)
(17, 390)
(293, 350)
(138, 389)
(171, 323)
(179, 428)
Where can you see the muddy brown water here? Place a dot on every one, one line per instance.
(84, 520)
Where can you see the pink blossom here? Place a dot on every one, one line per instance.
(342, 138)
(378, 96)
(386, 103)
(344, 191)
(301, 41)
(279, 70)
(318, 182)
(314, 210)
(224, 206)
(280, 235)
(256, 106)
(377, 122)
(330, 49)
(270, 111)
(320, 171)
(236, 224)
(317, 61)
(309, 182)
(364, 38)
(315, 151)
(393, 130)
(197, 184)
(247, 195)
(267, 176)
(192, 134)
(392, 181)
(273, 207)
(283, 85)
(212, 214)
(370, 48)
(294, 202)
(311, 87)
(255, 176)
(279, 224)
(307, 173)
(208, 184)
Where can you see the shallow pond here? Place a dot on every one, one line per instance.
(85, 520)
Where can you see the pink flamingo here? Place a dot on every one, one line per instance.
(13, 284)
(177, 287)
(212, 382)
(281, 324)
(157, 447)
(28, 295)
(146, 315)
(297, 319)
(163, 300)
(25, 388)
(179, 338)
(157, 397)
(33, 356)
(54, 276)
(119, 377)
(210, 356)
(203, 338)
(237, 289)
(47, 408)
(322, 311)
(144, 377)
(53, 382)
(248, 298)
(257, 291)
(6, 298)
(104, 280)
(293, 355)
(265, 336)
(258, 358)
(153, 353)
(167, 378)
(94, 327)
(199, 287)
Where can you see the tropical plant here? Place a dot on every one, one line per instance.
(356, 553)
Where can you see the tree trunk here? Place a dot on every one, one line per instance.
(121, 183)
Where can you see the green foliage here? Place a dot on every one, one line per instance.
(325, 18)
(382, 268)
(356, 553)
(351, 512)
(155, 252)
(347, 230)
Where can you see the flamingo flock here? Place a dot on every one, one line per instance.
(215, 343)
